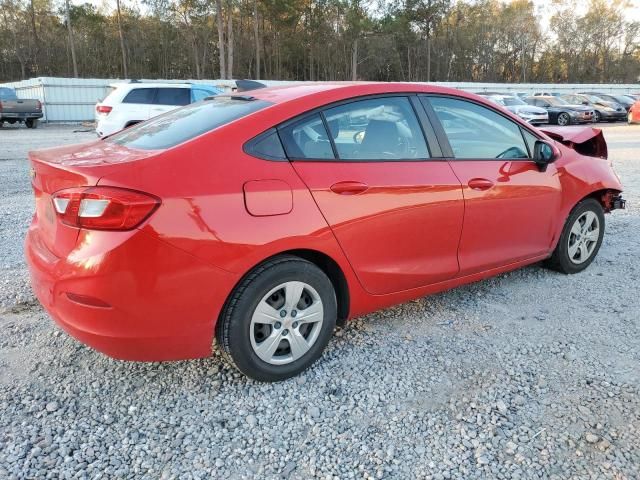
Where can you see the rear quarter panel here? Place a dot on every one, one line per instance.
(203, 212)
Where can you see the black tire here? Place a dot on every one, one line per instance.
(564, 119)
(597, 117)
(233, 331)
(561, 260)
(31, 123)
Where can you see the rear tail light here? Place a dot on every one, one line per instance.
(103, 208)
(103, 109)
(38, 105)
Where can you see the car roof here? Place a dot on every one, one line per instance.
(133, 85)
(501, 96)
(336, 91)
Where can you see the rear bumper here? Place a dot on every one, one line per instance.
(613, 115)
(582, 117)
(20, 116)
(107, 126)
(130, 295)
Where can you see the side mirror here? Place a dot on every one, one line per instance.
(585, 103)
(543, 154)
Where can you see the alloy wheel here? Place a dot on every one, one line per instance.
(583, 237)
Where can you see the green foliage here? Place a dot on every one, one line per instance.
(408, 40)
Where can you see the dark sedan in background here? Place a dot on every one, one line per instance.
(625, 100)
(604, 110)
(561, 112)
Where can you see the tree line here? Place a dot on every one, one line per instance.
(397, 40)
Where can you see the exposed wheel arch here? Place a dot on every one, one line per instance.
(331, 268)
(603, 197)
(328, 265)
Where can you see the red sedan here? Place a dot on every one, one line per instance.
(633, 116)
(258, 221)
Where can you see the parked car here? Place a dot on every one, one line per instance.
(547, 94)
(131, 103)
(603, 110)
(529, 113)
(561, 112)
(255, 223)
(633, 116)
(18, 110)
(623, 100)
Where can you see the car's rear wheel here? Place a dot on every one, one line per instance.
(564, 119)
(278, 320)
(31, 123)
(580, 239)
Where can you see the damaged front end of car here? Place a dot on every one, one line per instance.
(590, 142)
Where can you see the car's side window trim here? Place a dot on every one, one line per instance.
(441, 136)
(431, 147)
(249, 147)
(371, 160)
(444, 140)
(336, 155)
(298, 120)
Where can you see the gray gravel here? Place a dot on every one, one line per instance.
(528, 375)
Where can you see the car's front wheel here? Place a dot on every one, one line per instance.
(564, 119)
(278, 320)
(580, 239)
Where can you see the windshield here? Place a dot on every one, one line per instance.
(7, 94)
(182, 124)
(623, 99)
(593, 98)
(556, 101)
(511, 101)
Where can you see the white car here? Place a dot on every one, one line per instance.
(529, 113)
(131, 103)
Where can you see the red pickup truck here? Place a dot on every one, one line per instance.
(14, 109)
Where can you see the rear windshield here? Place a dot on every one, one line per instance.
(7, 94)
(186, 123)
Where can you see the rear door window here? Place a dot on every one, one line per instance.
(182, 124)
(143, 96)
(173, 96)
(377, 129)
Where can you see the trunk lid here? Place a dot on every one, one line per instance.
(66, 167)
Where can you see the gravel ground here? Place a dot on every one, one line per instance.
(531, 374)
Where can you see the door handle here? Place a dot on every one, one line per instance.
(480, 184)
(349, 188)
